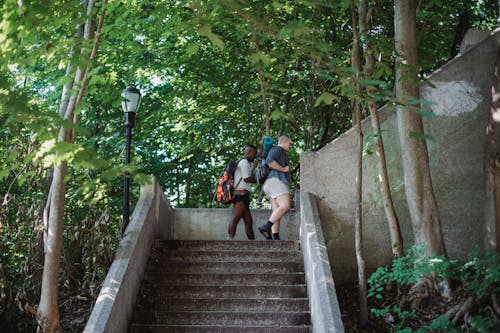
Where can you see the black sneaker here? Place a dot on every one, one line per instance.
(265, 232)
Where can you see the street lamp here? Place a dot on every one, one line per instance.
(131, 102)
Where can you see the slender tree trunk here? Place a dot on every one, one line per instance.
(48, 311)
(264, 103)
(189, 173)
(418, 185)
(390, 213)
(310, 130)
(262, 82)
(358, 224)
(492, 159)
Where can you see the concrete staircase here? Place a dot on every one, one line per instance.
(223, 286)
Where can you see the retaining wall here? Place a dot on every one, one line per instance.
(460, 101)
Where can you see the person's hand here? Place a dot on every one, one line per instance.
(286, 169)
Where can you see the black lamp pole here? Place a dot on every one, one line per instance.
(131, 101)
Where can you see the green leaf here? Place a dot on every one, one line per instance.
(426, 114)
(275, 115)
(64, 80)
(12, 157)
(142, 179)
(149, 19)
(294, 29)
(214, 38)
(325, 98)
(259, 57)
(327, 76)
(4, 172)
(414, 101)
(423, 136)
(376, 83)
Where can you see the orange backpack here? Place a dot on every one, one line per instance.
(225, 184)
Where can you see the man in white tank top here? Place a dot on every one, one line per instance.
(243, 180)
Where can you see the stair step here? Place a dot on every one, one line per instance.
(227, 267)
(146, 328)
(204, 291)
(224, 304)
(223, 286)
(247, 279)
(222, 318)
(218, 255)
(229, 245)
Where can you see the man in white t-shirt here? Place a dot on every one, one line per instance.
(243, 180)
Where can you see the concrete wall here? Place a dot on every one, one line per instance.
(211, 223)
(461, 102)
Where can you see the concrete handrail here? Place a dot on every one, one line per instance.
(151, 219)
(325, 310)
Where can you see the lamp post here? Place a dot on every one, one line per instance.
(131, 102)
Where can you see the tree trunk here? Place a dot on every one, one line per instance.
(310, 130)
(48, 310)
(390, 213)
(262, 82)
(358, 224)
(267, 114)
(492, 160)
(189, 180)
(418, 185)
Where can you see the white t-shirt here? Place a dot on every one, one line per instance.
(243, 170)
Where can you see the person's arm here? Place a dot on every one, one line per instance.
(250, 179)
(276, 166)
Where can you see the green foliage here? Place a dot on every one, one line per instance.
(483, 324)
(479, 276)
(482, 274)
(408, 270)
(440, 324)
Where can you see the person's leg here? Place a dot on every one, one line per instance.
(279, 198)
(247, 217)
(283, 206)
(237, 214)
(276, 224)
(276, 227)
(279, 206)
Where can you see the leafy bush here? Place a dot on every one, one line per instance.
(478, 277)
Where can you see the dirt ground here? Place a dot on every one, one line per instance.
(429, 309)
(348, 297)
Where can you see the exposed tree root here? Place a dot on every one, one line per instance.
(419, 292)
(464, 308)
(452, 312)
(495, 305)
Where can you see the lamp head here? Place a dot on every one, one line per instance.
(131, 99)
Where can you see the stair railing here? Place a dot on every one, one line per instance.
(152, 218)
(323, 302)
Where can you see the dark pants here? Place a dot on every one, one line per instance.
(241, 209)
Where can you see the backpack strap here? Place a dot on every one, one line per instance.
(241, 178)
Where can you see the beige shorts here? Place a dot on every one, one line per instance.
(273, 188)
